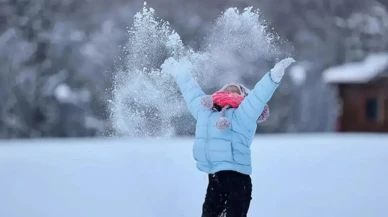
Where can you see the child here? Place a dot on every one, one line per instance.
(226, 125)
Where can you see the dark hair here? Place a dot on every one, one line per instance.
(217, 107)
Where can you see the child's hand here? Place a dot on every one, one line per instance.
(277, 71)
(173, 67)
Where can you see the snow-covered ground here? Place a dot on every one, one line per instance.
(293, 176)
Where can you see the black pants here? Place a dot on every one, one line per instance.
(228, 195)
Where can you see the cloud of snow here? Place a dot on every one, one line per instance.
(237, 43)
(145, 100)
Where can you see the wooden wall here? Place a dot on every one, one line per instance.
(355, 98)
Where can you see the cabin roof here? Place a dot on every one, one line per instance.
(363, 71)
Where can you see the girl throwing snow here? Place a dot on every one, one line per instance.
(226, 125)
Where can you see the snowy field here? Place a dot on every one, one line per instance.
(293, 176)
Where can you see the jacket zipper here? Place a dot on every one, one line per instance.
(207, 142)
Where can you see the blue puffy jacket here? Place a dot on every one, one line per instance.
(216, 150)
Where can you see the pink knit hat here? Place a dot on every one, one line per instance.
(223, 123)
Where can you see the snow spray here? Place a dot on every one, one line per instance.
(145, 101)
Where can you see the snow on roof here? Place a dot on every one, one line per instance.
(357, 72)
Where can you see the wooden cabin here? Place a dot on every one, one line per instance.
(362, 93)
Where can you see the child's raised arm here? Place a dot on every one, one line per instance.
(191, 91)
(252, 106)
